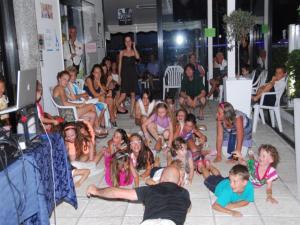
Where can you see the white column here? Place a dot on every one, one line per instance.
(231, 54)
(266, 22)
(297, 141)
(210, 39)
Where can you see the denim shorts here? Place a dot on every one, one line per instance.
(212, 181)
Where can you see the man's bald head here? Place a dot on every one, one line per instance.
(170, 174)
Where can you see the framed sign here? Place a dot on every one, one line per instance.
(125, 16)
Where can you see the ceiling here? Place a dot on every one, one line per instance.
(144, 11)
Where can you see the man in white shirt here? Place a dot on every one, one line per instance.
(73, 50)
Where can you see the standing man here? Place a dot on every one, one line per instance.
(73, 50)
(165, 203)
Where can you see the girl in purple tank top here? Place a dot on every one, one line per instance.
(159, 125)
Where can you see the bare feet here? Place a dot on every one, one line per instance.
(218, 159)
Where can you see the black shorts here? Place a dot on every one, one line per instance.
(212, 181)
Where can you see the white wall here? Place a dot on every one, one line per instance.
(52, 51)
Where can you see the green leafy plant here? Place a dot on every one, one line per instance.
(293, 67)
(237, 26)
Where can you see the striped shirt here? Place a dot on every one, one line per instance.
(269, 176)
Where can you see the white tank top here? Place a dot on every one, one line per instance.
(143, 110)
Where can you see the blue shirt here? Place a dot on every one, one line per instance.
(225, 194)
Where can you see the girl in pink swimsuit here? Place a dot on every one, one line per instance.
(119, 170)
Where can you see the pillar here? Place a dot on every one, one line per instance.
(27, 35)
(266, 36)
(231, 53)
(210, 39)
(297, 141)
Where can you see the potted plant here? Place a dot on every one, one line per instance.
(293, 68)
(237, 26)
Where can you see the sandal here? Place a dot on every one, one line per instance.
(101, 133)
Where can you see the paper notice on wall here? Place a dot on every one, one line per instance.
(91, 47)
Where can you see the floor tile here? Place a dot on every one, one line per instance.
(132, 220)
(101, 221)
(245, 220)
(65, 210)
(281, 220)
(200, 207)
(103, 208)
(135, 209)
(194, 220)
(64, 221)
(286, 207)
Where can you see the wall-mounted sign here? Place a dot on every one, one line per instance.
(265, 28)
(210, 32)
(125, 16)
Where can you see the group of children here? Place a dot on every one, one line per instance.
(129, 157)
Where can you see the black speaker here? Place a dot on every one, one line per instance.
(9, 150)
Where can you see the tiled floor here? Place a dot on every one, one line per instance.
(287, 212)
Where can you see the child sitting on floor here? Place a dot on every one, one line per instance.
(119, 170)
(118, 142)
(80, 142)
(180, 117)
(141, 156)
(159, 125)
(179, 151)
(3, 103)
(262, 171)
(194, 138)
(233, 192)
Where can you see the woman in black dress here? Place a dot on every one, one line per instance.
(127, 70)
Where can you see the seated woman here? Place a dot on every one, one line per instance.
(74, 92)
(85, 111)
(143, 108)
(80, 142)
(234, 132)
(95, 86)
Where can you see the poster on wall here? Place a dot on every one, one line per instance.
(125, 16)
(50, 47)
(46, 11)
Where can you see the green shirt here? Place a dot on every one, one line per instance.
(225, 194)
(193, 87)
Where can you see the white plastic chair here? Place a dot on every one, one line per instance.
(61, 108)
(261, 80)
(258, 110)
(172, 78)
(221, 93)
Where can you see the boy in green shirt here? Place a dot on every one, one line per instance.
(232, 192)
